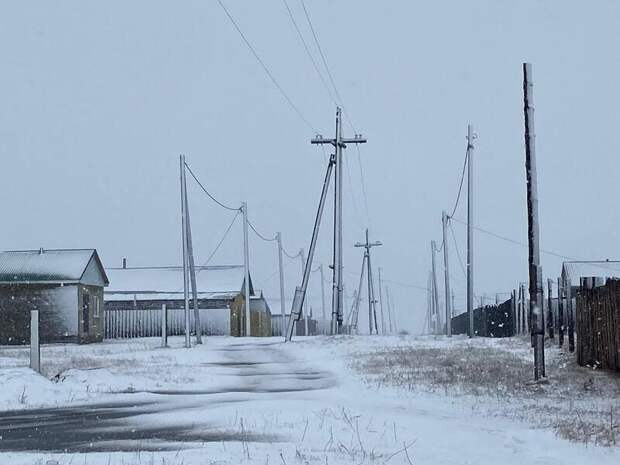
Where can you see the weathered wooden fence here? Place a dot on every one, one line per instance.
(127, 323)
(489, 321)
(598, 324)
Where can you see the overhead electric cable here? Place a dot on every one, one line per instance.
(266, 69)
(204, 189)
(266, 239)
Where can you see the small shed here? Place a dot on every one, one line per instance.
(65, 285)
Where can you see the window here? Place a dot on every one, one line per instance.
(96, 306)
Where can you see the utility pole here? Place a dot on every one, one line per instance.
(246, 269)
(550, 325)
(560, 313)
(300, 292)
(357, 300)
(391, 309)
(470, 228)
(323, 316)
(337, 292)
(192, 266)
(435, 292)
(372, 310)
(535, 270)
(304, 311)
(281, 268)
(381, 304)
(185, 264)
(446, 269)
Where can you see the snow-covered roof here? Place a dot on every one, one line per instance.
(575, 270)
(51, 267)
(166, 283)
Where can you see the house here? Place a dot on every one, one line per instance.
(65, 285)
(220, 298)
(573, 271)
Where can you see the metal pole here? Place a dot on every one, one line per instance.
(338, 246)
(470, 229)
(383, 329)
(535, 270)
(281, 268)
(435, 295)
(324, 318)
(371, 285)
(446, 269)
(246, 267)
(35, 347)
(192, 268)
(164, 326)
(185, 261)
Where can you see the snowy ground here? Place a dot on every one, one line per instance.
(318, 401)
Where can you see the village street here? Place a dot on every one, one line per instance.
(251, 401)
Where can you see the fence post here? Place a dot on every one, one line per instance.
(164, 326)
(35, 347)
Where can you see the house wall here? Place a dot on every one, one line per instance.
(57, 305)
(94, 296)
(260, 320)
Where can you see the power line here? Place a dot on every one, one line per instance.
(458, 196)
(204, 189)
(292, 257)
(303, 41)
(266, 69)
(221, 240)
(456, 247)
(266, 239)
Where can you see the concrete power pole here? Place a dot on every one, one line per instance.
(304, 310)
(192, 266)
(184, 240)
(381, 305)
(246, 269)
(446, 268)
(372, 310)
(337, 287)
(323, 316)
(435, 295)
(470, 228)
(535, 270)
(281, 268)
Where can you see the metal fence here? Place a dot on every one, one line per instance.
(598, 324)
(128, 323)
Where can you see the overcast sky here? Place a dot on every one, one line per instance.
(100, 98)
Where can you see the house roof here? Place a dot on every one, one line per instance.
(53, 266)
(166, 283)
(575, 270)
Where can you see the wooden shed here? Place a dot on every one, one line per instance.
(65, 285)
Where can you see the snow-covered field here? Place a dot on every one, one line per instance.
(322, 400)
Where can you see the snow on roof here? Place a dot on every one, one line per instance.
(575, 270)
(166, 283)
(46, 266)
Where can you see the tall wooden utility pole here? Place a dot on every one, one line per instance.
(304, 308)
(323, 315)
(533, 236)
(435, 291)
(192, 266)
(281, 269)
(470, 228)
(246, 269)
(337, 287)
(372, 309)
(560, 313)
(446, 269)
(185, 261)
(550, 325)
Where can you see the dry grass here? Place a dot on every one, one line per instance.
(579, 404)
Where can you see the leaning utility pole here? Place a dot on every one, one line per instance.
(535, 270)
(446, 270)
(304, 308)
(192, 267)
(185, 264)
(470, 228)
(246, 269)
(435, 295)
(281, 269)
(372, 309)
(323, 316)
(337, 292)
(381, 305)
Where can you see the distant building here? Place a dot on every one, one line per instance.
(599, 271)
(221, 301)
(66, 286)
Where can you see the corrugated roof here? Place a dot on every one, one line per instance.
(46, 266)
(166, 283)
(575, 270)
